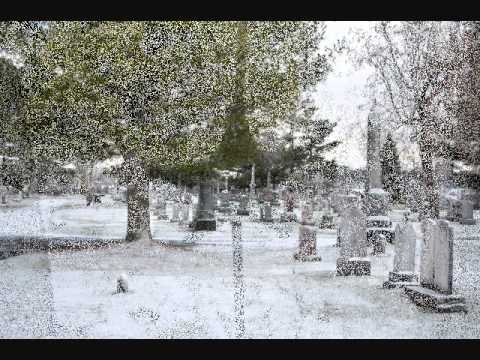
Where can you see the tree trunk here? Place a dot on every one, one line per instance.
(430, 208)
(138, 203)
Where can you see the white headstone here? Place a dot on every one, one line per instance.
(436, 268)
(467, 210)
(405, 242)
(353, 233)
(443, 258)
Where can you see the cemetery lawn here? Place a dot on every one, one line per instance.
(187, 292)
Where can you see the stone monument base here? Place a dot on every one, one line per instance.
(243, 212)
(353, 266)
(467, 221)
(204, 224)
(400, 279)
(288, 216)
(327, 222)
(306, 258)
(435, 300)
(373, 232)
(224, 210)
(162, 217)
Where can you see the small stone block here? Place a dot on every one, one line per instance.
(203, 224)
(307, 258)
(434, 300)
(357, 267)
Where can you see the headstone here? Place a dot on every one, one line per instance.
(307, 236)
(185, 213)
(3, 194)
(467, 213)
(403, 273)
(161, 208)
(436, 270)
(287, 214)
(352, 238)
(224, 206)
(205, 213)
(175, 212)
(454, 212)
(122, 284)
(266, 212)
(379, 242)
(243, 207)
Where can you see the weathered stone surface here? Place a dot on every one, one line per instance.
(379, 243)
(434, 300)
(405, 244)
(205, 213)
(352, 234)
(352, 239)
(353, 266)
(467, 213)
(307, 244)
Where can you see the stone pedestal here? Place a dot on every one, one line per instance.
(307, 244)
(380, 225)
(288, 216)
(353, 266)
(435, 300)
(400, 279)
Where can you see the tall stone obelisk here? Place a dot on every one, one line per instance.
(376, 199)
(374, 169)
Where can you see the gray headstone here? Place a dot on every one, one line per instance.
(175, 212)
(307, 214)
(405, 242)
(436, 270)
(467, 210)
(353, 233)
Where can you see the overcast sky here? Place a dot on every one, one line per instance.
(340, 95)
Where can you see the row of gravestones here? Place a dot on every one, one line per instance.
(434, 290)
(461, 211)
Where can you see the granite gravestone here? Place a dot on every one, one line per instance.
(467, 213)
(436, 270)
(404, 259)
(243, 207)
(352, 238)
(307, 236)
(205, 213)
(175, 212)
(454, 212)
(161, 208)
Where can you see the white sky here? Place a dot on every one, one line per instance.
(340, 95)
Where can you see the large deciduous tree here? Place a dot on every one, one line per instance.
(414, 62)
